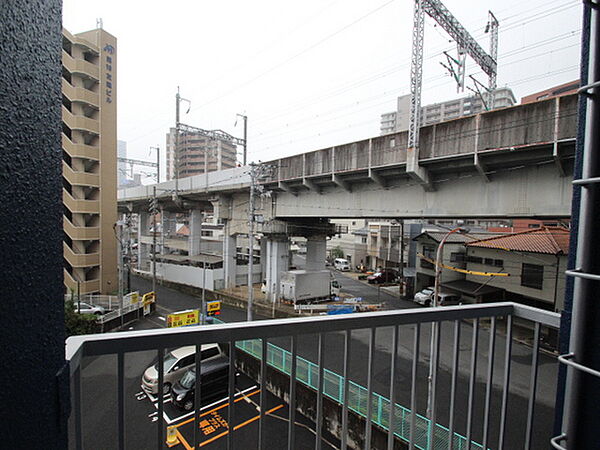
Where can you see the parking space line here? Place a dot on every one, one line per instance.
(243, 424)
(218, 407)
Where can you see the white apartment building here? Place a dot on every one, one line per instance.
(398, 120)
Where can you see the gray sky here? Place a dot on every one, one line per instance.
(308, 74)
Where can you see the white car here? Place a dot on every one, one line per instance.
(445, 298)
(87, 308)
(176, 363)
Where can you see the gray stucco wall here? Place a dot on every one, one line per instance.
(513, 262)
(34, 403)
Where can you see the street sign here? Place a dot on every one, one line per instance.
(183, 318)
(213, 308)
(133, 298)
(148, 297)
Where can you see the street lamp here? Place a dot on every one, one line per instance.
(435, 333)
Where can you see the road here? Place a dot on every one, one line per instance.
(355, 288)
(100, 373)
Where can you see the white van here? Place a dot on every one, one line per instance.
(341, 264)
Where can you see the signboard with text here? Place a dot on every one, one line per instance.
(213, 308)
(183, 318)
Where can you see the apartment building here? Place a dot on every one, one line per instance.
(197, 154)
(398, 120)
(89, 139)
(555, 91)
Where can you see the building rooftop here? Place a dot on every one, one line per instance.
(549, 240)
(456, 238)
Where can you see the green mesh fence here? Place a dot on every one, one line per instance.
(333, 387)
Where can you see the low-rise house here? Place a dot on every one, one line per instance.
(535, 261)
(454, 255)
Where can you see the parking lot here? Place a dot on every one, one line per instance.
(212, 427)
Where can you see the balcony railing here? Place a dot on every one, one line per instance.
(399, 421)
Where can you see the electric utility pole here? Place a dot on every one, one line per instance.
(154, 211)
(257, 172)
(203, 271)
(245, 143)
(157, 148)
(178, 100)
(253, 176)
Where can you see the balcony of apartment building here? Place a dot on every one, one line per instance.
(447, 377)
(361, 380)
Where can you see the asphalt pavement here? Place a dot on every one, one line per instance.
(100, 373)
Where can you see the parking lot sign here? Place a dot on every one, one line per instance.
(213, 308)
(183, 319)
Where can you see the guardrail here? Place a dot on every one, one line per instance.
(253, 338)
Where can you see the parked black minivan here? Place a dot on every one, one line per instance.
(214, 383)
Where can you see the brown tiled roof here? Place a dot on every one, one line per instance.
(549, 240)
(456, 238)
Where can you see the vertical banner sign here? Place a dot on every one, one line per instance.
(109, 51)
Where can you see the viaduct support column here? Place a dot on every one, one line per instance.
(316, 252)
(277, 261)
(195, 232)
(142, 231)
(229, 257)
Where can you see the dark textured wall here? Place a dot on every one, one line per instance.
(31, 310)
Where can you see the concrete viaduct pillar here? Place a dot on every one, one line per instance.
(316, 252)
(229, 257)
(277, 262)
(195, 237)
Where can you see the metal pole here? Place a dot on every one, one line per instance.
(401, 257)
(435, 330)
(203, 271)
(78, 296)
(154, 244)
(128, 223)
(120, 250)
(251, 239)
(583, 389)
(245, 138)
(176, 158)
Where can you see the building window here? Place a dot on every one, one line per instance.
(457, 257)
(364, 240)
(475, 259)
(532, 275)
(489, 262)
(499, 262)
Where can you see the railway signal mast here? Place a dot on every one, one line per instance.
(466, 45)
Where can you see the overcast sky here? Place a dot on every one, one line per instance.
(308, 74)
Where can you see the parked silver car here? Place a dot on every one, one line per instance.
(176, 363)
(88, 308)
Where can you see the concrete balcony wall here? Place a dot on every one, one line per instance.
(80, 206)
(80, 150)
(77, 178)
(80, 66)
(78, 94)
(79, 122)
(84, 286)
(80, 233)
(80, 260)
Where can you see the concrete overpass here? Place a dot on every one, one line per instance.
(512, 162)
